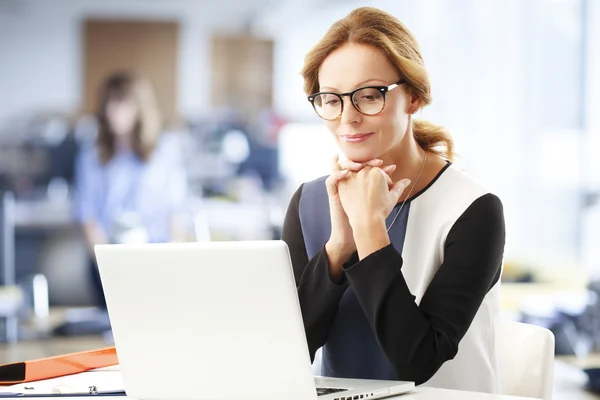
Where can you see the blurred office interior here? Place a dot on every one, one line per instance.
(517, 83)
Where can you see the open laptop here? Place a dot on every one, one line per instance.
(215, 320)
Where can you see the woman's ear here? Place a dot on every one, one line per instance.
(415, 104)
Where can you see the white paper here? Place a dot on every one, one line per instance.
(107, 379)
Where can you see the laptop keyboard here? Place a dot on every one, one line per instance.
(324, 391)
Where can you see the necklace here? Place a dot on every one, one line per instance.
(410, 191)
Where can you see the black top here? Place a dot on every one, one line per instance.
(416, 339)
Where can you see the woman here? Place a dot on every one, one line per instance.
(397, 254)
(132, 183)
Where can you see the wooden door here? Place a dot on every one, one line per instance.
(146, 48)
(242, 73)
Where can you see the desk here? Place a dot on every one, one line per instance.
(419, 393)
(426, 393)
(569, 380)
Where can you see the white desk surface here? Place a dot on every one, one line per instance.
(419, 393)
(427, 393)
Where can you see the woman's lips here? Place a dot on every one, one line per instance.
(357, 138)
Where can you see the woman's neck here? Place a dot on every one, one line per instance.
(123, 142)
(408, 157)
(413, 162)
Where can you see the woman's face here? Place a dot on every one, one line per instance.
(362, 137)
(122, 115)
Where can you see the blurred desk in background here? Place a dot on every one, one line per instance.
(239, 220)
(545, 295)
(49, 241)
(50, 346)
(41, 238)
(44, 213)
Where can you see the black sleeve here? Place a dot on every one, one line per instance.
(319, 295)
(419, 339)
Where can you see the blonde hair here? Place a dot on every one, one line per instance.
(373, 27)
(147, 129)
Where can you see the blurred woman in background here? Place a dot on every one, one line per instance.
(132, 183)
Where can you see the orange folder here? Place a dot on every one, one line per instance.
(53, 367)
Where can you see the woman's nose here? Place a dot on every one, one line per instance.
(350, 114)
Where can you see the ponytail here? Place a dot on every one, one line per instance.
(433, 138)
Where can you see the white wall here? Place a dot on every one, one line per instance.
(591, 216)
(39, 59)
(593, 66)
(41, 47)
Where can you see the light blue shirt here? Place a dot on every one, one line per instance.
(151, 190)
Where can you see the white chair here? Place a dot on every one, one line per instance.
(316, 366)
(526, 357)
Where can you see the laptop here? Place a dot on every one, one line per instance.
(215, 320)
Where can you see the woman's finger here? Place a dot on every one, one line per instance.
(375, 162)
(335, 163)
(351, 165)
(333, 179)
(387, 178)
(389, 169)
(355, 167)
(339, 175)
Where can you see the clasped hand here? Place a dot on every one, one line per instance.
(361, 196)
(367, 193)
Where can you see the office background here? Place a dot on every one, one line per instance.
(517, 83)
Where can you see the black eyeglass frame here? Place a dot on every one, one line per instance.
(383, 89)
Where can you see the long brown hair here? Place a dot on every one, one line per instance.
(124, 85)
(373, 27)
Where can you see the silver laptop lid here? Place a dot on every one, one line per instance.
(216, 320)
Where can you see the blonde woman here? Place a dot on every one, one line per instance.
(397, 253)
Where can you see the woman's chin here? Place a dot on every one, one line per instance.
(359, 156)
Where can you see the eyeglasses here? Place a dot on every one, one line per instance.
(368, 100)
